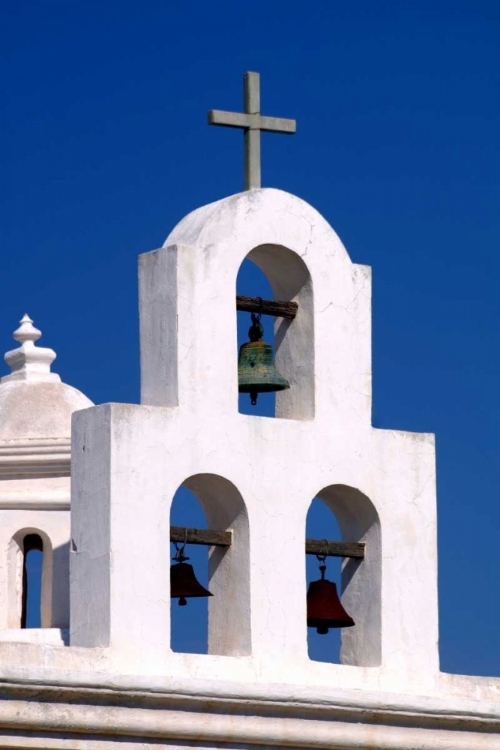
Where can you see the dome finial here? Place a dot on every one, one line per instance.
(29, 362)
(26, 331)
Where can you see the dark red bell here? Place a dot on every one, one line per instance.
(183, 583)
(324, 609)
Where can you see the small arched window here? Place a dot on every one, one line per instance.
(32, 581)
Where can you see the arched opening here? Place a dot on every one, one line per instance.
(189, 624)
(30, 580)
(31, 612)
(252, 282)
(321, 523)
(282, 275)
(219, 624)
(349, 516)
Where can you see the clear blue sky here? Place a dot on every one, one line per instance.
(104, 147)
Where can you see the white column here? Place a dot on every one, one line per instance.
(119, 550)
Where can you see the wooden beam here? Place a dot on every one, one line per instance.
(201, 536)
(335, 549)
(224, 538)
(267, 307)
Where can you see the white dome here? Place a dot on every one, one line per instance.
(34, 404)
(31, 410)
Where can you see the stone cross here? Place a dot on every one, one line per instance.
(252, 123)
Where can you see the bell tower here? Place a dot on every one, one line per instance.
(322, 443)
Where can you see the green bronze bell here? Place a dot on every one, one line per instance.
(257, 372)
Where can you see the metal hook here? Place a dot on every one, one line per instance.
(179, 551)
(321, 558)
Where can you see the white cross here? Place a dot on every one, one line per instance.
(252, 123)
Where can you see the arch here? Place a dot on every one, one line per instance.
(290, 280)
(189, 624)
(251, 281)
(228, 568)
(32, 588)
(283, 217)
(322, 523)
(361, 580)
(21, 544)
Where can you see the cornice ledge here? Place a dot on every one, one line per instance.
(69, 724)
(49, 500)
(253, 714)
(49, 457)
